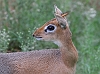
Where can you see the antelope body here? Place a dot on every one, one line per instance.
(52, 61)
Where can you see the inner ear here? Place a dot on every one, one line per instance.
(61, 20)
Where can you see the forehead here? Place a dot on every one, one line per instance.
(52, 21)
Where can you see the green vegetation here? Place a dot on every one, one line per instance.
(19, 19)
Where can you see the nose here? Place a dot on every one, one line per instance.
(33, 35)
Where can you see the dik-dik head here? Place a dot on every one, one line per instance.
(55, 29)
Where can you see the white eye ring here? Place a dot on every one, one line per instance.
(50, 28)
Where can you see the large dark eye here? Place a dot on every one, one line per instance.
(50, 28)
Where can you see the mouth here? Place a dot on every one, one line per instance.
(38, 38)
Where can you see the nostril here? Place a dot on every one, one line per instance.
(33, 35)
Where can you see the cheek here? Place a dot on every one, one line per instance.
(49, 37)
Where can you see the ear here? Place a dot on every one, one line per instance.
(57, 10)
(60, 17)
(65, 14)
(61, 20)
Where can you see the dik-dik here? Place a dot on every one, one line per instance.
(52, 61)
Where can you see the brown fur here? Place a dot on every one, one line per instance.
(53, 61)
(67, 49)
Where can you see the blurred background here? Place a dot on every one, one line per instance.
(20, 18)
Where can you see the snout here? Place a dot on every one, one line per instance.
(39, 33)
(35, 34)
(37, 37)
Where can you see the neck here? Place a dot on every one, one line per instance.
(68, 51)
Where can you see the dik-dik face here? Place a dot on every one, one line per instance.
(54, 29)
(49, 31)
